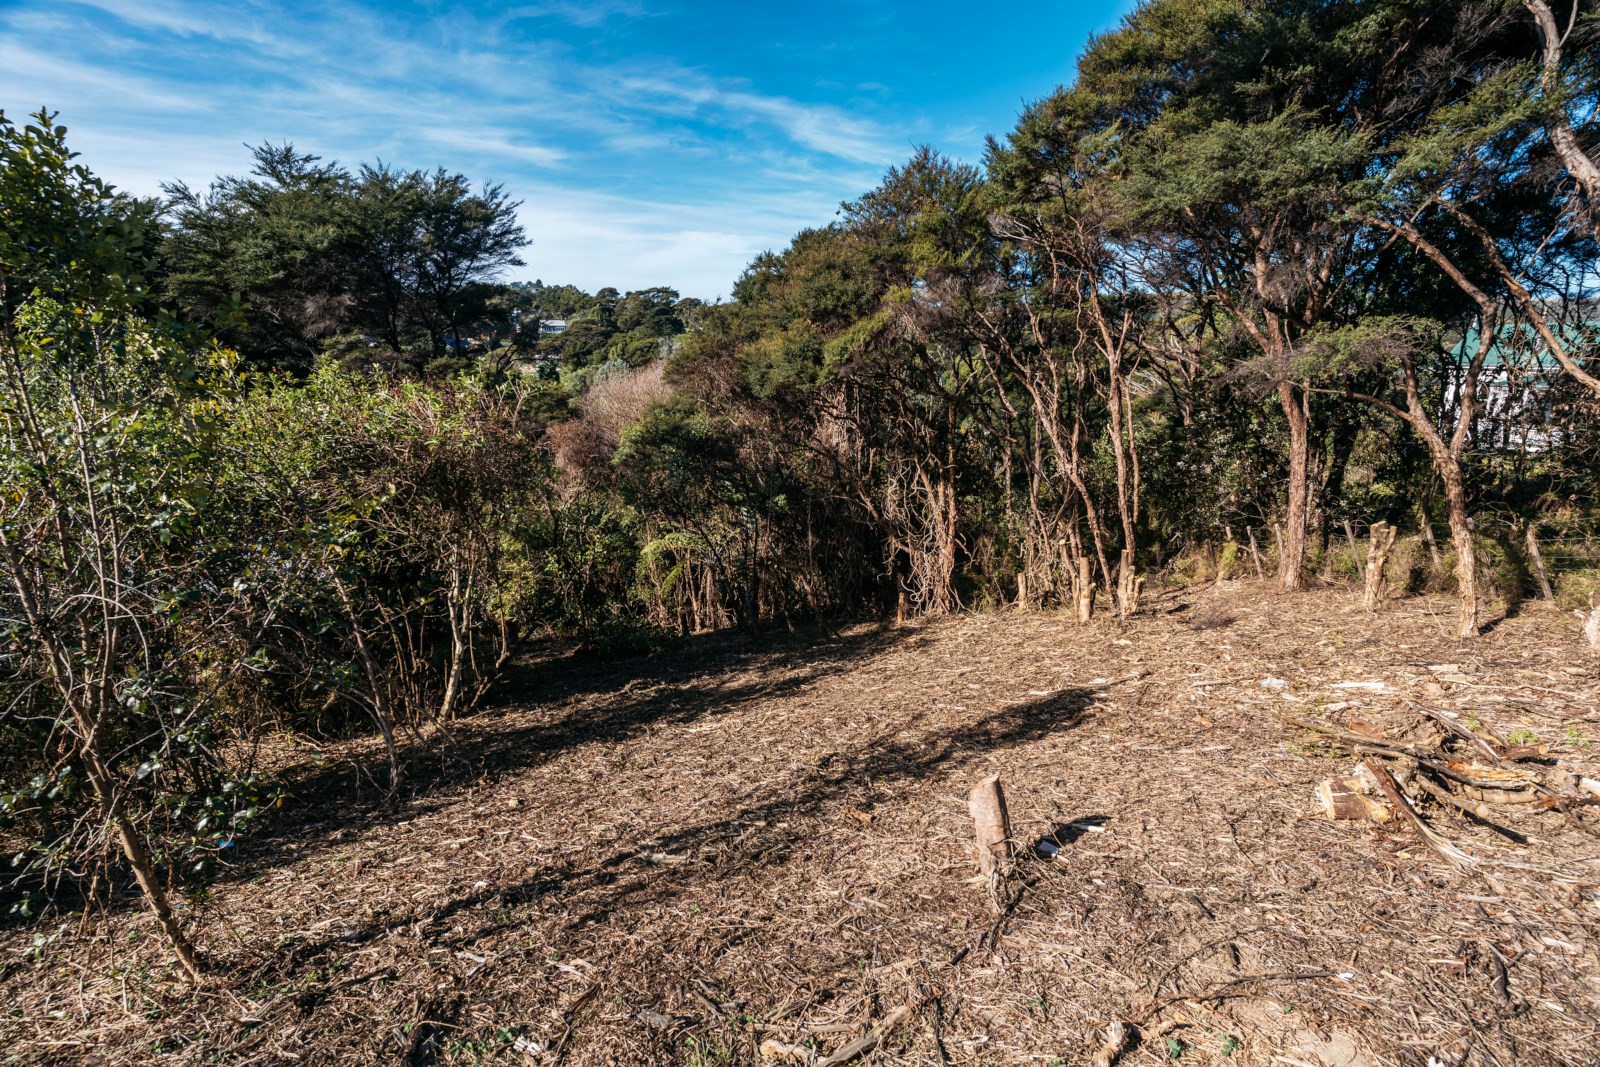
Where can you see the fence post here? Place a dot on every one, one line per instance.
(1427, 537)
(1537, 559)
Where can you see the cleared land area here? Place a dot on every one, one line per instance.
(762, 850)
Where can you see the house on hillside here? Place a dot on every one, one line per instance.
(1515, 390)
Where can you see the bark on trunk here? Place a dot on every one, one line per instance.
(1455, 495)
(1583, 169)
(991, 824)
(1428, 539)
(1292, 562)
(1379, 541)
(144, 872)
(1084, 588)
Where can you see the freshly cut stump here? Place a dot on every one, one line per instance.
(992, 825)
(1345, 798)
(1379, 542)
(1591, 626)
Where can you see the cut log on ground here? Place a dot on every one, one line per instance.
(991, 824)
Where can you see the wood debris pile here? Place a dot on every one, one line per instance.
(1463, 765)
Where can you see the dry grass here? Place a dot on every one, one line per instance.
(678, 859)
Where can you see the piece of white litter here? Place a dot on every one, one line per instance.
(1269, 682)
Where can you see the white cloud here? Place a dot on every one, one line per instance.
(638, 173)
(586, 13)
(36, 79)
(816, 126)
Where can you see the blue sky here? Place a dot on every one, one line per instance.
(652, 142)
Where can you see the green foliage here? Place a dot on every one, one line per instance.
(282, 261)
(1250, 243)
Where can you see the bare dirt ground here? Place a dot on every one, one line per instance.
(763, 850)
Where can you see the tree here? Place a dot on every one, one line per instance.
(281, 262)
(106, 443)
(263, 261)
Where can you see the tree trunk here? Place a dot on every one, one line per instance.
(1127, 585)
(144, 872)
(1583, 169)
(1293, 560)
(1255, 552)
(1455, 495)
(1380, 539)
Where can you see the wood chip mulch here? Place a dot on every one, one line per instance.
(760, 851)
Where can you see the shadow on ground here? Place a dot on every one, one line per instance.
(761, 834)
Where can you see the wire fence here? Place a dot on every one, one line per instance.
(1560, 550)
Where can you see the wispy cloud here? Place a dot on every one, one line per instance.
(61, 82)
(651, 140)
(823, 128)
(587, 13)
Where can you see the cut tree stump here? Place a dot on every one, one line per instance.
(1379, 541)
(1085, 591)
(1591, 625)
(1345, 798)
(990, 823)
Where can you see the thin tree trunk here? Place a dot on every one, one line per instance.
(1085, 590)
(1455, 495)
(144, 872)
(380, 705)
(1583, 169)
(1537, 559)
(1292, 562)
